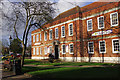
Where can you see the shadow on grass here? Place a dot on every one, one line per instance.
(77, 73)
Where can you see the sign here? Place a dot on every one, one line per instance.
(101, 33)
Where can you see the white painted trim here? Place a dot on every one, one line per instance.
(99, 46)
(111, 19)
(69, 29)
(36, 57)
(91, 25)
(69, 48)
(113, 46)
(55, 33)
(92, 59)
(61, 31)
(50, 34)
(93, 48)
(98, 22)
(62, 48)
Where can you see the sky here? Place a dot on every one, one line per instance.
(61, 6)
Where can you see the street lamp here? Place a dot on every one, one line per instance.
(10, 38)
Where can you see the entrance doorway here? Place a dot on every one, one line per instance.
(56, 52)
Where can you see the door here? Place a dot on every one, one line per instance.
(56, 52)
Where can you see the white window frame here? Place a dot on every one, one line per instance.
(37, 51)
(89, 48)
(50, 35)
(113, 46)
(62, 31)
(33, 38)
(40, 51)
(105, 46)
(70, 48)
(98, 22)
(37, 37)
(111, 19)
(69, 29)
(45, 36)
(33, 51)
(40, 36)
(45, 50)
(56, 36)
(88, 25)
(62, 48)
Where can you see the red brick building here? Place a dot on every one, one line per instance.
(90, 33)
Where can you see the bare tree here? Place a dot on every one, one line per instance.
(29, 14)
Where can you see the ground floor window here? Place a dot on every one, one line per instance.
(63, 49)
(45, 50)
(37, 51)
(102, 48)
(116, 45)
(90, 47)
(33, 51)
(40, 51)
(71, 48)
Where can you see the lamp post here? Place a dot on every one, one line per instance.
(10, 38)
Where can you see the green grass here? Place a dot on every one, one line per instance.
(76, 72)
(39, 62)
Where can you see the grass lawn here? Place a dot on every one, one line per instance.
(72, 72)
(39, 62)
(52, 72)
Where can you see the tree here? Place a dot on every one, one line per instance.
(29, 14)
(16, 46)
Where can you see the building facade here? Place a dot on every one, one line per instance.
(90, 34)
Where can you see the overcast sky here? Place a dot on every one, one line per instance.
(61, 6)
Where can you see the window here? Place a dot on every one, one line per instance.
(90, 47)
(40, 51)
(89, 25)
(63, 49)
(102, 48)
(33, 51)
(71, 29)
(71, 48)
(37, 37)
(116, 45)
(56, 33)
(45, 36)
(40, 36)
(50, 49)
(37, 51)
(63, 31)
(34, 38)
(45, 50)
(100, 22)
(50, 34)
(114, 19)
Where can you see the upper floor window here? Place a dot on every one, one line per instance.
(34, 38)
(90, 47)
(56, 33)
(45, 36)
(50, 34)
(70, 29)
(101, 22)
(33, 51)
(114, 19)
(89, 25)
(102, 48)
(116, 45)
(63, 31)
(71, 48)
(63, 49)
(40, 36)
(37, 37)
(37, 51)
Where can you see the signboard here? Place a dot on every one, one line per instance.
(101, 33)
